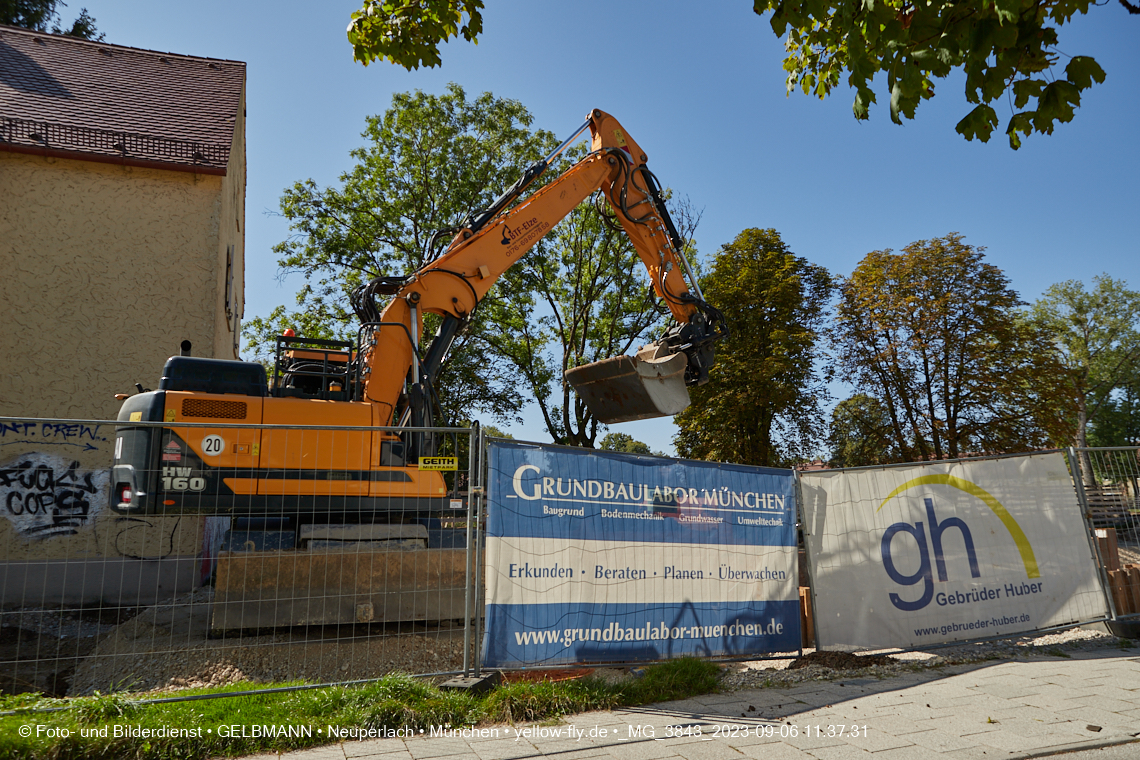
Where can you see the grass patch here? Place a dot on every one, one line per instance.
(115, 726)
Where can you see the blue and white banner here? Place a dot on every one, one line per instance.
(594, 556)
(940, 552)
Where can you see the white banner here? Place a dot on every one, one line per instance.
(914, 556)
(534, 570)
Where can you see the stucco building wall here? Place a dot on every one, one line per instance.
(112, 252)
(108, 268)
(229, 304)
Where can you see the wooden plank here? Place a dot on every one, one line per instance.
(1116, 581)
(807, 619)
(1134, 587)
(1109, 552)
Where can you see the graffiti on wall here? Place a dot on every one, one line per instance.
(46, 495)
(78, 435)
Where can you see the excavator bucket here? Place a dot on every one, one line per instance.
(627, 388)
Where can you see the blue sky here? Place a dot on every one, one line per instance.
(701, 88)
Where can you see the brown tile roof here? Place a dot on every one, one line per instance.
(61, 93)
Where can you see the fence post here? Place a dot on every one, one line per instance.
(807, 555)
(1090, 530)
(482, 471)
(468, 595)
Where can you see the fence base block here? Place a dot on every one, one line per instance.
(1124, 629)
(292, 588)
(473, 684)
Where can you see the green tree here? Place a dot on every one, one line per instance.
(627, 444)
(579, 296)
(1097, 334)
(493, 432)
(762, 404)
(428, 162)
(860, 433)
(1117, 422)
(43, 16)
(934, 332)
(1007, 49)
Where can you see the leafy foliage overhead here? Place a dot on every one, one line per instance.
(1005, 47)
(1008, 49)
(409, 32)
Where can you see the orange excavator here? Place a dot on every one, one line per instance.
(386, 378)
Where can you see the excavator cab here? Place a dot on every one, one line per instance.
(310, 443)
(314, 368)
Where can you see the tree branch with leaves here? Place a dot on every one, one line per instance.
(1097, 334)
(1006, 48)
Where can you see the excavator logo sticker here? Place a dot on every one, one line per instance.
(439, 463)
(524, 235)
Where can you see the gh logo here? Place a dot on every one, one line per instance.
(923, 573)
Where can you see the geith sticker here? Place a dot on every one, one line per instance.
(439, 463)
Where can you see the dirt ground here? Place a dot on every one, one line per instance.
(839, 660)
(40, 649)
(171, 647)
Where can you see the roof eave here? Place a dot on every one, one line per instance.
(105, 159)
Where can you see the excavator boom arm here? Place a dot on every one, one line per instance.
(495, 240)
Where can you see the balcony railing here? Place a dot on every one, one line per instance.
(103, 142)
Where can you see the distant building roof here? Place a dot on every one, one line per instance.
(61, 95)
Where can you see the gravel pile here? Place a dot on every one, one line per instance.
(787, 672)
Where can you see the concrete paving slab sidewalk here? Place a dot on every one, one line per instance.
(1008, 709)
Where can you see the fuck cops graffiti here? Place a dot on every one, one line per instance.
(45, 495)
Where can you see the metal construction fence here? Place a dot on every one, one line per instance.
(147, 556)
(1109, 490)
(141, 555)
